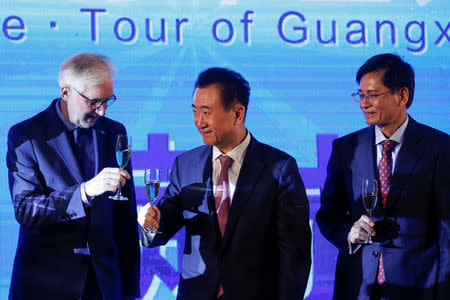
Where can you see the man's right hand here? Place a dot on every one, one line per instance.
(149, 216)
(107, 180)
(361, 230)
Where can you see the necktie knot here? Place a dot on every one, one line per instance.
(225, 161)
(388, 145)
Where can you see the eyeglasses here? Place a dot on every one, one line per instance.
(97, 102)
(371, 98)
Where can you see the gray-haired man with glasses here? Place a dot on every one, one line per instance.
(74, 242)
(408, 255)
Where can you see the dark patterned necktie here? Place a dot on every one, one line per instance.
(85, 151)
(385, 173)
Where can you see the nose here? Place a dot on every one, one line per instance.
(199, 121)
(364, 103)
(101, 110)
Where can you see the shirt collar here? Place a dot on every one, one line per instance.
(397, 136)
(69, 125)
(237, 154)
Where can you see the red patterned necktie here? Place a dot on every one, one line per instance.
(385, 173)
(222, 199)
(223, 193)
(385, 168)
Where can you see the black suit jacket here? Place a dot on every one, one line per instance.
(44, 180)
(266, 249)
(413, 230)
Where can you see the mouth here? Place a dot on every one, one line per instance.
(368, 114)
(91, 118)
(205, 132)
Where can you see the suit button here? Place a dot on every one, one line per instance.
(375, 253)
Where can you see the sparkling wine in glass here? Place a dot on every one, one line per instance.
(369, 193)
(123, 153)
(152, 183)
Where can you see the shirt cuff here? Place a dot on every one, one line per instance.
(85, 198)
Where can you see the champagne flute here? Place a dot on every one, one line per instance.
(152, 183)
(123, 153)
(369, 193)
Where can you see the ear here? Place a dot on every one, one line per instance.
(403, 96)
(65, 90)
(239, 114)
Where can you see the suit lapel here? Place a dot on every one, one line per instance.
(60, 141)
(408, 157)
(363, 165)
(365, 156)
(248, 177)
(207, 178)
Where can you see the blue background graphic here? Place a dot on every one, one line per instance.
(300, 57)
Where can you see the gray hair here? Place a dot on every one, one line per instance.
(85, 69)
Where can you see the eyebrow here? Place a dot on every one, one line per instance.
(203, 106)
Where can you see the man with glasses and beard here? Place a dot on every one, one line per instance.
(74, 242)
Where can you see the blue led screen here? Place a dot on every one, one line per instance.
(300, 57)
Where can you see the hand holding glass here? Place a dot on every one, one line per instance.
(123, 153)
(152, 182)
(369, 193)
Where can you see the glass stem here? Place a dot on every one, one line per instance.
(119, 193)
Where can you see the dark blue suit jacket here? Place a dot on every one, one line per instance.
(44, 180)
(266, 249)
(413, 230)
